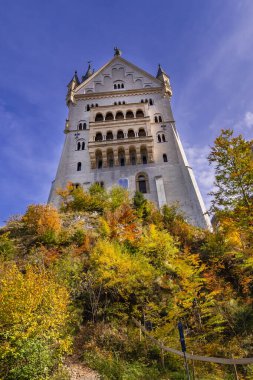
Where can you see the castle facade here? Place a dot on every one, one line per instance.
(121, 131)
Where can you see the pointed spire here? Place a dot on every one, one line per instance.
(164, 78)
(160, 72)
(89, 72)
(74, 81)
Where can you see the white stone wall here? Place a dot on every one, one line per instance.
(176, 181)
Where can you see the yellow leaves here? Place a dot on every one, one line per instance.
(32, 305)
(116, 268)
(42, 219)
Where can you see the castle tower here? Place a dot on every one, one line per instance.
(120, 131)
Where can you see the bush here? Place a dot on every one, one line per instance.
(42, 220)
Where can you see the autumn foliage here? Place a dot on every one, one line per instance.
(83, 273)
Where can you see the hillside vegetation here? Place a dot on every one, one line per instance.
(72, 280)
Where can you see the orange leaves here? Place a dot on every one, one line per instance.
(122, 224)
(42, 219)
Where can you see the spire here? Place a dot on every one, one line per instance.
(74, 81)
(117, 52)
(71, 87)
(160, 72)
(164, 78)
(89, 72)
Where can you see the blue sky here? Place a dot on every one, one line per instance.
(206, 46)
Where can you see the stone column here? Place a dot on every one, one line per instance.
(104, 158)
(127, 156)
(138, 155)
(116, 158)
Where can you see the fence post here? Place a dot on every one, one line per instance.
(235, 370)
(162, 358)
(193, 369)
(183, 346)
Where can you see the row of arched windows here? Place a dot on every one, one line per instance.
(121, 135)
(110, 158)
(149, 101)
(158, 119)
(119, 103)
(82, 126)
(119, 116)
(89, 106)
(118, 85)
(121, 158)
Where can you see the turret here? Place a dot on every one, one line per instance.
(165, 79)
(71, 87)
(89, 72)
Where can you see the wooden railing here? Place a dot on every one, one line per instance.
(232, 361)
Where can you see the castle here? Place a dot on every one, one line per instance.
(121, 131)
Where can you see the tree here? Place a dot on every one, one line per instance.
(233, 196)
(233, 159)
(42, 220)
(33, 322)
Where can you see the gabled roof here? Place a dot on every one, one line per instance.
(115, 59)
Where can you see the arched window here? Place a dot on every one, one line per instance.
(146, 100)
(115, 103)
(144, 155)
(151, 102)
(84, 126)
(119, 103)
(139, 113)
(130, 133)
(115, 86)
(160, 119)
(156, 119)
(80, 127)
(121, 154)
(120, 135)
(165, 158)
(110, 158)
(99, 159)
(83, 145)
(163, 137)
(142, 184)
(109, 116)
(99, 136)
(96, 105)
(92, 106)
(123, 102)
(132, 155)
(129, 115)
(78, 145)
(79, 166)
(119, 85)
(109, 136)
(99, 117)
(119, 116)
(159, 138)
(88, 107)
(142, 101)
(142, 132)
(122, 85)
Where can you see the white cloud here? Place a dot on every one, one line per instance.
(204, 173)
(248, 119)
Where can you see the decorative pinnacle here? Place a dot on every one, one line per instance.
(117, 51)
